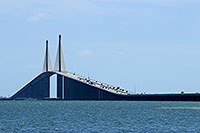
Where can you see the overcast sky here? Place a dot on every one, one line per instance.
(153, 45)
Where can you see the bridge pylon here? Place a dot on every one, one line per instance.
(47, 61)
(60, 63)
(60, 67)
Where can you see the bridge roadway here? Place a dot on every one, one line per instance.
(94, 83)
(39, 87)
(71, 86)
(81, 88)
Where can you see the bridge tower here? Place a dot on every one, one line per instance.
(47, 61)
(60, 67)
(60, 63)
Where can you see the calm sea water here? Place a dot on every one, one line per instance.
(99, 116)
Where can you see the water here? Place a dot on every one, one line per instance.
(99, 116)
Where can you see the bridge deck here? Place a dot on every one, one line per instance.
(100, 85)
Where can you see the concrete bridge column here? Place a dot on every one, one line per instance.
(60, 86)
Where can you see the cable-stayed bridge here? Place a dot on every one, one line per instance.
(71, 86)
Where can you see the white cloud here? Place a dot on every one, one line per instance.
(86, 52)
(61, 8)
(37, 17)
(118, 53)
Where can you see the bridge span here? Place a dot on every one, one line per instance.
(71, 86)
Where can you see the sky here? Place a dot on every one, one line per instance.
(150, 46)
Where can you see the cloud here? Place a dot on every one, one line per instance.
(86, 52)
(37, 17)
(62, 8)
(118, 53)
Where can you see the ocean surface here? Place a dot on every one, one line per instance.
(99, 116)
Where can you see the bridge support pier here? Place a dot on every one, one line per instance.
(60, 87)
